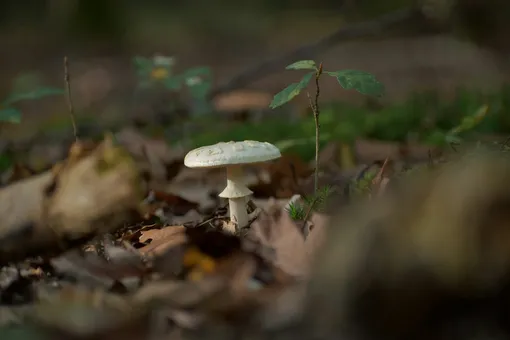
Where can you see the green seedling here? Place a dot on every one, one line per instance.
(362, 186)
(158, 72)
(360, 81)
(469, 122)
(9, 113)
(301, 212)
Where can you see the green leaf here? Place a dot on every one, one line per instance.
(201, 71)
(198, 80)
(142, 63)
(290, 91)
(452, 139)
(173, 83)
(10, 115)
(302, 65)
(164, 61)
(199, 90)
(5, 162)
(32, 95)
(361, 81)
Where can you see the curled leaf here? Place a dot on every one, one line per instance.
(302, 65)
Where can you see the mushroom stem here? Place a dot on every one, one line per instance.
(238, 193)
(238, 212)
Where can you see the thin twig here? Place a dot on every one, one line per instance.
(69, 98)
(357, 30)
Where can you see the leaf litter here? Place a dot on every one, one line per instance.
(110, 242)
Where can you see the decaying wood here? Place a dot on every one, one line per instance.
(87, 196)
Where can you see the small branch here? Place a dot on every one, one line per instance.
(357, 30)
(69, 97)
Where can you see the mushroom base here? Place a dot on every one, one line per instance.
(238, 212)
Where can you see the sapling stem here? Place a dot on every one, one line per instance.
(314, 105)
(69, 97)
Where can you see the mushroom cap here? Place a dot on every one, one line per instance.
(241, 100)
(231, 153)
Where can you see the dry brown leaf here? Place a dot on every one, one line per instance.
(93, 269)
(163, 239)
(288, 249)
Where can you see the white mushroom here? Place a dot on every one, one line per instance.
(233, 155)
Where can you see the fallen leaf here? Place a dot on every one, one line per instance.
(283, 244)
(161, 240)
(95, 271)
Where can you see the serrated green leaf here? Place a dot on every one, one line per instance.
(290, 91)
(361, 81)
(302, 65)
(10, 115)
(32, 95)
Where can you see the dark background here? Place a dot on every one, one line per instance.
(465, 47)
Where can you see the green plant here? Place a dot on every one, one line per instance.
(360, 81)
(361, 186)
(158, 72)
(9, 113)
(301, 211)
(468, 123)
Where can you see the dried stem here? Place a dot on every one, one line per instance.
(69, 98)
